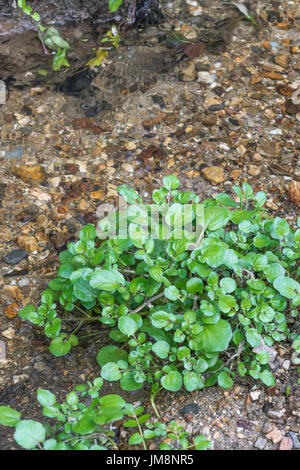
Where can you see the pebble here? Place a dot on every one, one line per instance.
(286, 444)
(214, 174)
(205, 77)
(276, 132)
(294, 437)
(27, 243)
(190, 408)
(189, 74)
(276, 414)
(20, 378)
(260, 443)
(209, 102)
(9, 333)
(275, 436)
(294, 192)
(255, 395)
(16, 153)
(254, 170)
(29, 173)
(267, 427)
(286, 364)
(15, 256)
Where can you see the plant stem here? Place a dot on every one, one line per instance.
(140, 431)
(152, 398)
(147, 302)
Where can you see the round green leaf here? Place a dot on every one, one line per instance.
(190, 381)
(171, 293)
(28, 433)
(161, 349)
(228, 285)
(194, 285)
(127, 326)
(59, 347)
(213, 338)
(224, 381)
(172, 381)
(109, 353)
(110, 371)
(287, 287)
(252, 337)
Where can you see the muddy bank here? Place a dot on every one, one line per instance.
(82, 24)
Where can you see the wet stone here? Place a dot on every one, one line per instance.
(15, 256)
(190, 408)
(16, 153)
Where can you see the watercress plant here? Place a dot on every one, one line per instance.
(84, 422)
(189, 313)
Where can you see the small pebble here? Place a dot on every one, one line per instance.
(15, 256)
(190, 408)
(294, 437)
(260, 443)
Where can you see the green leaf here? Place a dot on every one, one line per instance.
(9, 416)
(239, 215)
(171, 182)
(45, 398)
(279, 228)
(59, 347)
(128, 193)
(171, 293)
(136, 438)
(213, 338)
(256, 284)
(127, 325)
(201, 443)
(172, 381)
(29, 433)
(83, 291)
(194, 285)
(161, 349)
(228, 285)
(226, 303)
(107, 280)
(29, 313)
(128, 382)
(110, 371)
(213, 254)
(191, 381)
(114, 5)
(287, 287)
(273, 271)
(224, 381)
(72, 398)
(252, 337)
(107, 353)
(267, 378)
(226, 200)
(160, 319)
(88, 232)
(156, 273)
(216, 217)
